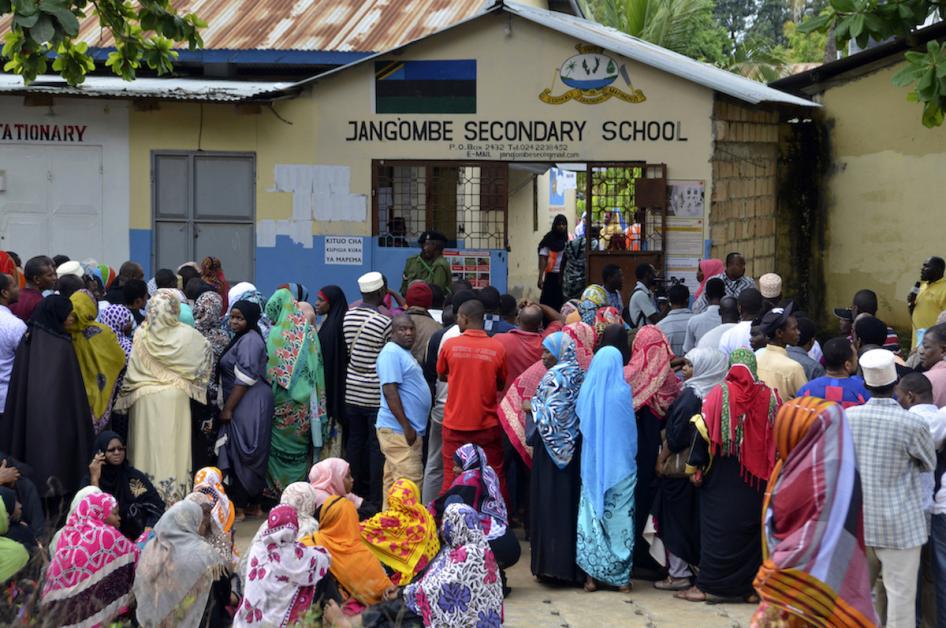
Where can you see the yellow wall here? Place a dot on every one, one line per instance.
(178, 126)
(512, 70)
(516, 61)
(885, 211)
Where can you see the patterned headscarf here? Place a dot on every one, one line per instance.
(281, 575)
(101, 357)
(649, 373)
(118, 317)
(90, 552)
(209, 481)
(605, 316)
(739, 414)
(592, 298)
(462, 585)
(403, 537)
(295, 362)
(208, 308)
(489, 500)
(553, 405)
(815, 566)
(302, 497)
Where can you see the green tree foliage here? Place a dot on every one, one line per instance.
(684, 26)
(864, 20)
(770, 19)
(44, 32)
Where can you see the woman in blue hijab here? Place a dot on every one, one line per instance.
(605, 407)
(554, 487)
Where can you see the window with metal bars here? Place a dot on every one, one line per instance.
(466, 201)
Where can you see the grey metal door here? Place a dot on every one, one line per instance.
(205, 204)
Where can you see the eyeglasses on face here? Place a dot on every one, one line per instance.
(115, 450)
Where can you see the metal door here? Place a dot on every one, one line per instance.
(629, 202)
(51, 202)
(205, 204)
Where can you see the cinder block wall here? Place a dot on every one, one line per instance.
(744, 202)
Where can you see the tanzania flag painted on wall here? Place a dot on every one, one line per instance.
(425, 86)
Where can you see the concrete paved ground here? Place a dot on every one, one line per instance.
(534, 605)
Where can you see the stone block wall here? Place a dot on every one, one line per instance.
(744, 202)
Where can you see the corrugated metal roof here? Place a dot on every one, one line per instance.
(324, 25)
(166, 89)
(647, 53)
(639, 50)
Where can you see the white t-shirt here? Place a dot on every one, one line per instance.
(736, 338)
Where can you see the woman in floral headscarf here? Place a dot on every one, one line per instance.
(592, 298)
(283, 575)
(556, 461)
(403, 537)
(735, 455)
(654, 386)
(89, 579)
(295, 371)
(462, 586)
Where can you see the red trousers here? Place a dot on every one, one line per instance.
(490, 439)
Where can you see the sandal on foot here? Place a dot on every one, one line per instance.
(692, 594)
(672, 584)
(590, 586)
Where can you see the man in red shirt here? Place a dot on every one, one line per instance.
(523, 344)
(40, 275)
(474, 366)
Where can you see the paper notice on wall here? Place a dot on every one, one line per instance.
(559, 182)
(320, 192)
(344, 250)
(473, 266)
(686, 199)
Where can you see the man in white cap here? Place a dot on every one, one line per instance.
(894, 450)
(366, 332)
(770, 285)
(72, 267)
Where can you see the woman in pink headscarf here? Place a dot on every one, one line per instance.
(709, 268)
(654, 387)
(332, 476)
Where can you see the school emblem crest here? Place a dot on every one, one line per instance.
(590, 76)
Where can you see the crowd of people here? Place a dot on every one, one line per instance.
(395, 449)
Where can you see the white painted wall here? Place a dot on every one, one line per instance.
(67, 191)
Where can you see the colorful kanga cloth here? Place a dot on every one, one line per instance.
(403, 537)
(462, 585)
(738, 416)
(815, 568)
(649, 373)
(89, 579)
(209, 481)
(101, 358)
(282, 573)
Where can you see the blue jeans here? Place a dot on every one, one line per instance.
(938, 541)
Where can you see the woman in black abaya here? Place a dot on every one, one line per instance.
(47, 422)
(332, 305)
(551, 251)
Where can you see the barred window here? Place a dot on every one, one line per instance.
(467, 202)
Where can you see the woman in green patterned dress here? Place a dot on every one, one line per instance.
(295, 371)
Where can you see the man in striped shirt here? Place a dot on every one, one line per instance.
(366, 332)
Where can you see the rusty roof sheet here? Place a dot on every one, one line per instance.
(313, 25)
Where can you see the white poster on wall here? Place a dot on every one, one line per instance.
(686, 198)
(344, 250)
